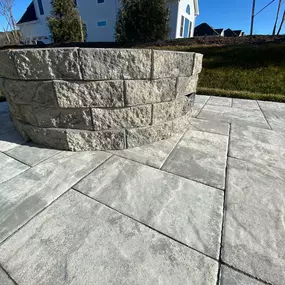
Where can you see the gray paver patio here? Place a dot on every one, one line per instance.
(31, 153)
(229, 276)
(80, 241)
(10, 167)
(4, 279)
(160, 200)
(122, 218)
(200, 156)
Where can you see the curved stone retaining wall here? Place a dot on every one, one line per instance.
(98, 99)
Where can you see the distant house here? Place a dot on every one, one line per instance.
(100, 16)
(239, 33)
(205, 30)
(221, 32)
(230, 33)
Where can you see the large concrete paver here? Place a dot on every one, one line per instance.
(6, 124)
(257, 145)
(31, 153)
(185, 210)
(220, 101)
(254, 230)
(245, 104)
(239, 116)
(209, 126)
(4, 107)
(200, 156)
(30, 192)
(275, 114)
(229, 276)
(10, 167)
(4, 279)
(153, 154)
(79, 241)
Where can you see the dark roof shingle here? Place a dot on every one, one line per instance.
(29, 15)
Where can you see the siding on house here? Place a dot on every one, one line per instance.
(100, 19)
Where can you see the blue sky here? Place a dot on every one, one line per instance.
(234, 14)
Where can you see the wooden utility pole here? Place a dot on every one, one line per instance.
(281, 25)
(276, 20)
(252, 17)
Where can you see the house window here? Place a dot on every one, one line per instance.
(75, 3)
(182, 26)
(41, 8)
(102, 24)
(188, 10)
(100, 1)
(190, 29)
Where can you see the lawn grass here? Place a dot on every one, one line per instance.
(251, 71)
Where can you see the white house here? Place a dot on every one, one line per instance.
(99, 17)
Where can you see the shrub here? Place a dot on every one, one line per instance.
(65, 23)
(142, 21)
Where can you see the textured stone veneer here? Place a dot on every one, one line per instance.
(98, 99)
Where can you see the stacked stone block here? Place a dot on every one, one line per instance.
(99, 99)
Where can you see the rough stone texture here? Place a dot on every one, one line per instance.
(56, 138)
(238, 116)
(10, 167)
(141, 136)
(22, 197)
(4, 279)
(201, 157)
(8, 69)
(88, 93)
(150, 91)
(187, 85)
(253, 144)
(104, 64)
(172, 64)
(153, 154)
(56, 63)
(87, 243)
(180, 125)
(197, 67)
(63, 118)
(229, 276)
(30, 92)
(137, 93)
(254, 226)
(101, 140)
(31, 153)
(185, 210)
(130, 117)
(162, 112)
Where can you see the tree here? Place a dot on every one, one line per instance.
(6, 11)
(65, 22)
(142, 21)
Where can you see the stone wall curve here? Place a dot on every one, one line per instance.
(99, 99)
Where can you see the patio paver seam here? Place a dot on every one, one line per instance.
(224, 205)
(202, 107)
(244, 273)
(167, 157)
(146, 225)
(168, 172)
(264, 115)
(7, 273)
(22, 226)
(204, 131)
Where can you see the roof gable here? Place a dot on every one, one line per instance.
(205, 30)
(29, 15)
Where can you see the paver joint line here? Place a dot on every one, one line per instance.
(203, 107)
(160, 168)
(138, 221)
(7, 273)
(52, 201)
(244, 273)
(264, 115)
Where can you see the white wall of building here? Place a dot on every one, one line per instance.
(182, 7)
(95, 15)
